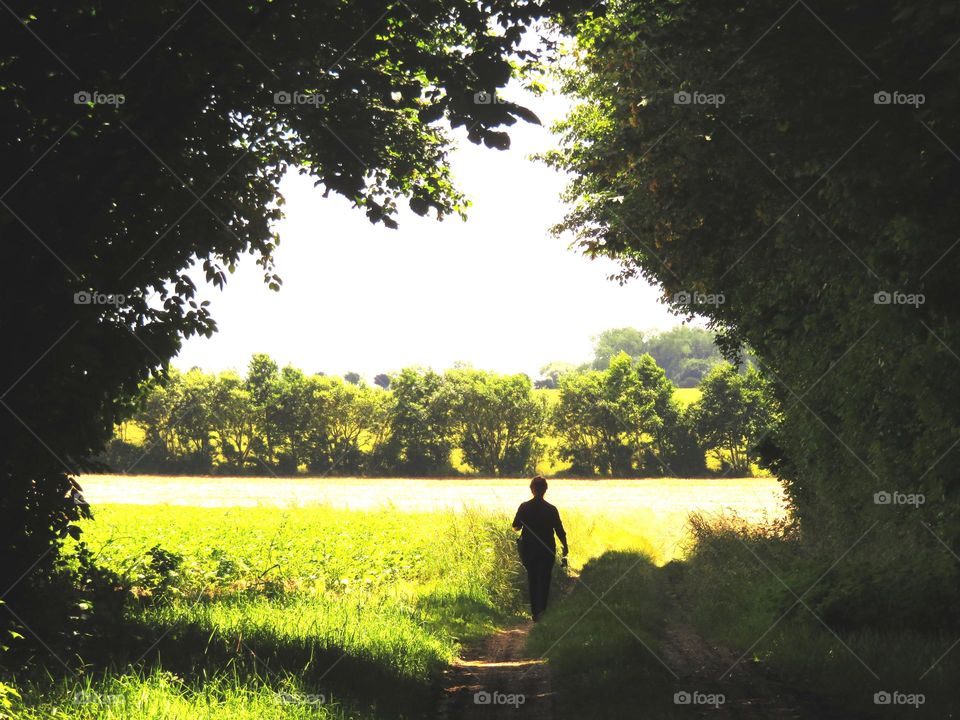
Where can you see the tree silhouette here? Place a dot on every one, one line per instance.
(139, 140)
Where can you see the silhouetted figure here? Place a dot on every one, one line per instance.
(537, 520)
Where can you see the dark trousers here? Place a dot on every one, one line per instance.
(539, 570)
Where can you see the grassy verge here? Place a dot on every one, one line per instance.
(253, 613)
(743, 585)
(603, 640)
(738, 589)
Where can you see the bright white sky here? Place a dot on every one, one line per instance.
(498, 291)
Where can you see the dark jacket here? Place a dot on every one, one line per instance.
(537, 521)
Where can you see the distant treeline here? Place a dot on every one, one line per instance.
(623, 420)
(685, 353)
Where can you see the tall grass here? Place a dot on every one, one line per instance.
(159, 694)
(743, 584)
(603, 641)
(738, 585)
(250, 613)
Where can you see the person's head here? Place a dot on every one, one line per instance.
(538, 486)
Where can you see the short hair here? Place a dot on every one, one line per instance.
(538, 485)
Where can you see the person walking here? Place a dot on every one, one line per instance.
(538, 521)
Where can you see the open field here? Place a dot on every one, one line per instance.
(322, 597)
(687, 396)
(261, 612)
(653, 512)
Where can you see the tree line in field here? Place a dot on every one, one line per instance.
(685, 353)
(619, 421)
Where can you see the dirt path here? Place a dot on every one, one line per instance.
(498, 679)
(706, 668)
(749, 693)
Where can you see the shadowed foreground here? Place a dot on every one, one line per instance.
(498, 679)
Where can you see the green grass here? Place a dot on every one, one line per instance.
(604, 641)
(161, 694)
(243, 607)
(257, 612)
(246, 613)
(736, 585)
(606, 653)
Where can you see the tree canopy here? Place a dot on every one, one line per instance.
(799, 163)
(733, 415)
(617, 421)
(685, 353)
(142, 139)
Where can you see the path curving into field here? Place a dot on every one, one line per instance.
(498, 679)
(488, 679)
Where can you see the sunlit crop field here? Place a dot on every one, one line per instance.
(600, 514)
(266, 612)
(687, 396)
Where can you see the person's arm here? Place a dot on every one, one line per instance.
(517, 521)
(561, 533)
